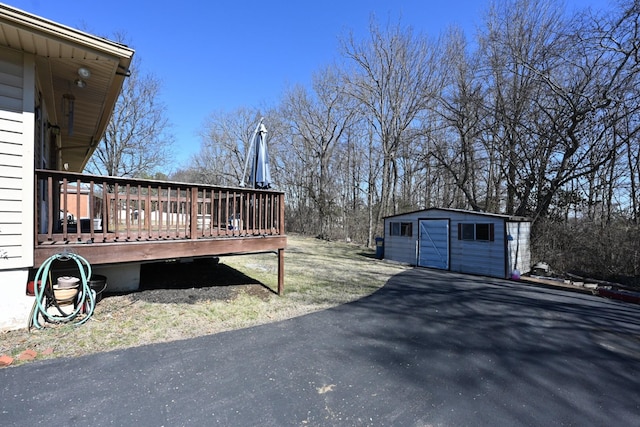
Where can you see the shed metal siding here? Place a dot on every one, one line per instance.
(478, 257)
(518, 247)
(489, 258)
(433, 247)
(401, 248)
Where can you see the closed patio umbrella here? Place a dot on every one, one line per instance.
(260, 173)
(260, 176)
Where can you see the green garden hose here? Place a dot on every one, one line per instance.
(43, 289)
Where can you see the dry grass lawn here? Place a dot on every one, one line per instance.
(184, 300)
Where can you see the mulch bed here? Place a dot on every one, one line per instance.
(191, 282)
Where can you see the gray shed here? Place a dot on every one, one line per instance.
(458, 240)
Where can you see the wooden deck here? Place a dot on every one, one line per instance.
(111, 220)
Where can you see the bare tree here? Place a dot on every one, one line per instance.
(394, 77)
(225, 140)
(318, 120)
(461, 148)
(588, 91)
(137, 142)
(356, 164)
(519, 38)
(631, 157)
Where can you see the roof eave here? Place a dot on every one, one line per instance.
(84, 45)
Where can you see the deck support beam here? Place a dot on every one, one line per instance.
(112, 253)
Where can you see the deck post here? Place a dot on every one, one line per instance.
(281, 250)
(280, 271)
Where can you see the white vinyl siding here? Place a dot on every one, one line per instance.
(17, 83)
(11, 81)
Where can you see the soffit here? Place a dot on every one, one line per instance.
(59, 52)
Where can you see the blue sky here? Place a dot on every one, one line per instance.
(221, 55)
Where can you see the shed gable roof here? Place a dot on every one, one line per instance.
(467, 212)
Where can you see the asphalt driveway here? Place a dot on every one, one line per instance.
(429, 349)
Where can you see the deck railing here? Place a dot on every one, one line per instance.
(73, 207)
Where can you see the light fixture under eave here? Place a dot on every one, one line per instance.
(84, 73)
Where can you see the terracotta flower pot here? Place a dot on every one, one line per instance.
(31, 290)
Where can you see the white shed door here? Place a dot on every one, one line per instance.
(434, 243)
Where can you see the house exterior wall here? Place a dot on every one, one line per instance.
(483, 257)
(37, 57)
(17, 84)
(17, 130)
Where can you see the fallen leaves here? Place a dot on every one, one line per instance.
(26, 355)
(5, 360)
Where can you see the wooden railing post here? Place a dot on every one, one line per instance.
(193, 214)
(50, 207)
(105, 209)
(281, 215)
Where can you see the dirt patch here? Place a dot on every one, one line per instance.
(201, 280)
(225, 293)
(199, 273)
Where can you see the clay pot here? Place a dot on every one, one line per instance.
(64, 295)
(66, 290)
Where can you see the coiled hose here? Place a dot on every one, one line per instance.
(43, 289)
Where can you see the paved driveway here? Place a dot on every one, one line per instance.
(429, 349)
